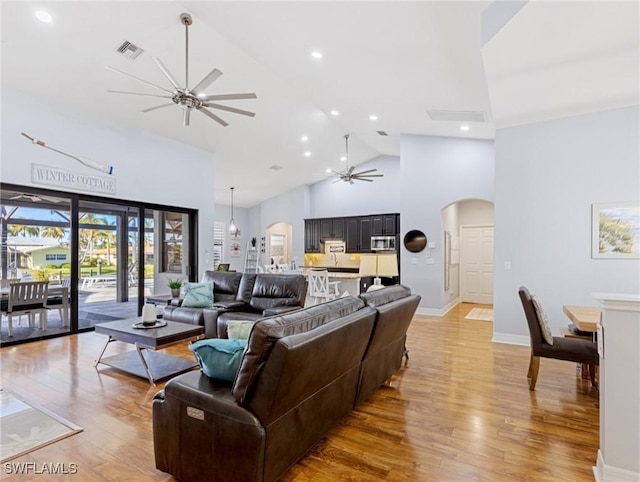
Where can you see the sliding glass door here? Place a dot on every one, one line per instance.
(110, 253)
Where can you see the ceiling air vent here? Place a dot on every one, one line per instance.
(457, 115)
(129, 50)
(275, 168)
(382, 133)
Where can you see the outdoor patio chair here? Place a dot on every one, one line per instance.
(27, 299)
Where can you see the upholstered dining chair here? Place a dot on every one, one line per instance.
(569, 349)
(27, 299)
(320, 288)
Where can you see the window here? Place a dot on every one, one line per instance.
(219, 231)
(172, 231)
(55, 257)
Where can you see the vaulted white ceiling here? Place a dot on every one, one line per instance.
(393, 59)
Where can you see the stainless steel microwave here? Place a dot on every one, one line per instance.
(383, 243)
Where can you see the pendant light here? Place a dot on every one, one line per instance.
(233, 229)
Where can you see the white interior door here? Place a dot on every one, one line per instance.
(476, 264)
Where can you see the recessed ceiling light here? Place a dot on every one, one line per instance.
(464, 127)
(334, 113)
(304, 138)
(44, 16)
(307, 154)
(316, 54)
(327, 170)
(343, 159)
(373, 117)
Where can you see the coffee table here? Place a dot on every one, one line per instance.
(144, 361)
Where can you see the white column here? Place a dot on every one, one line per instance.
(619, 348)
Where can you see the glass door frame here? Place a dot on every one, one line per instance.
(74, 244)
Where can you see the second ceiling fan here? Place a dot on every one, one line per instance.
(348, 175)
(189, 99)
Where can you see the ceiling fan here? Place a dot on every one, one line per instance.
(34, 198)
(187, 98)
(348, 175)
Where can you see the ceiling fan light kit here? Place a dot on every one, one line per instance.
(348, 175)
(189, 99)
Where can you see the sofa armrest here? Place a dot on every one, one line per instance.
(229, 305)
(279, 310)
(183, 315)
(198, 428)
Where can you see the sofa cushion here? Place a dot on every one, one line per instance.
(219, 358)
(273, 290)
(239, 329)
(198, 295)
(268, 331)
(225, 284)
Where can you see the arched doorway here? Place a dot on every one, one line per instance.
(279, 244)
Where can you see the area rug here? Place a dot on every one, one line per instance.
(483, 314)
(25, 428)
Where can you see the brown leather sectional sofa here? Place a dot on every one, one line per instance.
(301, 374)
(242, 296)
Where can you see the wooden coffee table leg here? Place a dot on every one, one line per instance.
(144, 364)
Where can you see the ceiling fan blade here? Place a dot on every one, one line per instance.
(362, 179)
(156, 107)
(350, 171)
(213, 116)
(139, 79)
(207, 98)
(186, 117)
(207, 81)
(138, 93)
(365, 172)
(166, 72)
(359, 174)
(229, 109)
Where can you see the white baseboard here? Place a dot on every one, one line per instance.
(438, 312)
(428, 311)
(510, 339)
(606, 473)
(450, 306)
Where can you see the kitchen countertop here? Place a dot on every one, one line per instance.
(336, 275)
(334, 269)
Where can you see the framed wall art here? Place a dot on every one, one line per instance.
(615, 230)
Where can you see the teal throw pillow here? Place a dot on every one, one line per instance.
(219, 358)
(239, 329)
(198, 295)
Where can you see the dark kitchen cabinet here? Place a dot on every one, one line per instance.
(332, 228)
(364, 236)
(356, 231)
(384, 225)
(312, 236)
(352, 235)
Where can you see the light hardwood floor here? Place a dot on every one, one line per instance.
(460, 411)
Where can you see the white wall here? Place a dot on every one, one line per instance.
(435, 172)
(547, 176)
(329, 199)
(291, 208)
(147, 167)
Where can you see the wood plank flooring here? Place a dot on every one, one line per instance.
(460, 411)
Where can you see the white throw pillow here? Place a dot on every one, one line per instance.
(543, 320)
